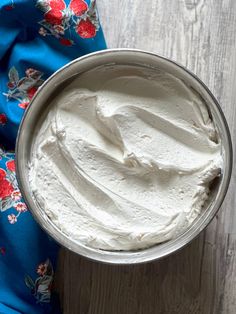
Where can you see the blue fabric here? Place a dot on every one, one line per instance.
(37, 38)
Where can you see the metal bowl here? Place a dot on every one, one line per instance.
(39, 108)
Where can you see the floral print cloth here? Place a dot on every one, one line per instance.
(36, 38)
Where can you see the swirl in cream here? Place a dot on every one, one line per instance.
(124, 158)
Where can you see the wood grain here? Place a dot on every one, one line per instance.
(201, 278)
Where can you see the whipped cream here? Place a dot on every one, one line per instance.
(124, 158)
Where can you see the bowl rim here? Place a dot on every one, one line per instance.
(139, 258)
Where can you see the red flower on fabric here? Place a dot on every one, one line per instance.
(31, 91)
(42, 269)
(11, 165)
(12, 218)
(86, 29)
(78, 7)
(10, 85)
(3, 119)
(58, 18)
(23, 105)
(57, 4)
(2, 174)
(5, 188)
(66, 42)
(20, 207)
(53, 17)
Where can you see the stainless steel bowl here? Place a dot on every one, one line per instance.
(39, 108)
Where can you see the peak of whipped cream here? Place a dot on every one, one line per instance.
(124, 158)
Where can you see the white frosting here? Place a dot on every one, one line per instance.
(124, 159)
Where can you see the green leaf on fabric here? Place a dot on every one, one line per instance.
(13, 75)
(29, 282)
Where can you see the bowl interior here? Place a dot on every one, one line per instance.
(38, 109)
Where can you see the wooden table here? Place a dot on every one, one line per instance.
(201, 278)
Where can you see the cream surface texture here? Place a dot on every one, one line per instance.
(124, 158)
